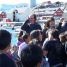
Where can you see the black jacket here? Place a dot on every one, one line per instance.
(5, 61)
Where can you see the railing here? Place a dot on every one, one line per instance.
(11, 24)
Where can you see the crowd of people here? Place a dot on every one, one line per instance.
(36, 47)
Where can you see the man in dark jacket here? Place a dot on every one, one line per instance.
(26, 26)
(32, 24)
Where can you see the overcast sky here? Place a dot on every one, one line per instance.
(25, 1)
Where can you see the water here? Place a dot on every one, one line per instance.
(14, 35)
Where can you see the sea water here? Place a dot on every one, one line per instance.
(13, 34)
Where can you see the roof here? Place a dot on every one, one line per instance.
(58, 12)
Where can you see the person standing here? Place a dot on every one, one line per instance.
(31, 24)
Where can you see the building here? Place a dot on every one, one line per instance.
(58, 12)
(47, 10)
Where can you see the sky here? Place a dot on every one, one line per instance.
(25, 1)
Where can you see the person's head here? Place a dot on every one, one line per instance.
(5, 39)
(36, 34)
(62, 19)
(31, 56)
(47, 24)
(53, 33)
(26, 38)
(52, 22)
(32, 19)
(62, 37)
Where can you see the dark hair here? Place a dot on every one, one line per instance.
(47, 24)
(31, 56)
(55, 34)
(5, 39)
(52, 19)
(34, 16)
(35, 34)
(25, 36)
(21, 33)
